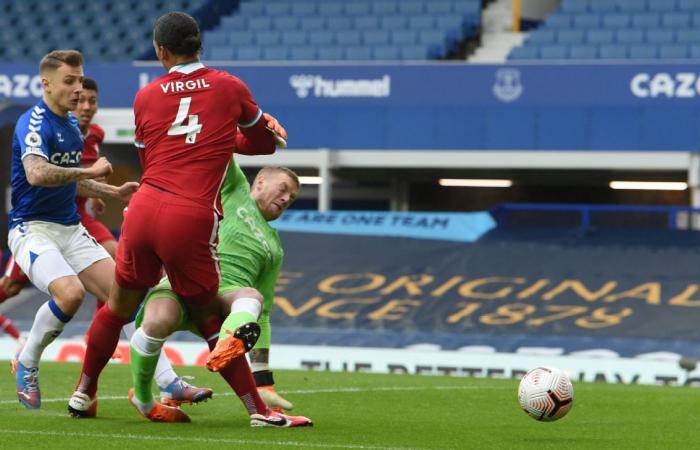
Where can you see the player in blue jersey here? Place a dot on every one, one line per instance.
(45, 235)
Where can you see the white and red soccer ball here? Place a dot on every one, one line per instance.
(546, 394)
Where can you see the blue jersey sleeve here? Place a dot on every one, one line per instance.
(33, 134)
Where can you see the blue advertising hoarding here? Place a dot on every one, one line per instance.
(447, 106)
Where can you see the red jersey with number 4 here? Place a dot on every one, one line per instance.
(91, 151)
(186, 130)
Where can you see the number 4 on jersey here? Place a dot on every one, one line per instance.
(193, 126)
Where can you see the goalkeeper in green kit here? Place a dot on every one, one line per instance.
(250, 255)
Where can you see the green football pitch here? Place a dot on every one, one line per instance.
(358, 411)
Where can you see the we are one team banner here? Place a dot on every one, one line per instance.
(445, 105)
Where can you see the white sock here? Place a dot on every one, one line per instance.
(247, 304)
(165, 374)
(129, 329)
(258, 366)
(46, 327)
(144, 344)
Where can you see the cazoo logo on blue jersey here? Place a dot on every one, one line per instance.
(20, 85)
(664, 84)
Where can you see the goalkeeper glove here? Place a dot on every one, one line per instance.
(266, 389)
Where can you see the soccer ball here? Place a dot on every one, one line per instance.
(546, 394)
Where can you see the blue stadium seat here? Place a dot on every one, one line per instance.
(583, 52)
(695, 20)
(312, 23)
(384, 8)
(348, 37)
(643, 52)
(695, 51)
(526, 52)
(452, 24)
(386, 53)
(659, 36)
(675, 20)
(222, 53)
(414, 52)
(404, 37)
(277, 9)
(599, 37)
(419, 23)
(275, 53)
(251, 8)
(88, 34)
(339, 23)
(630, 36)
(612, 52)
(602, 6)
(392, 23)
(293, 38)
(249, 53)
(689, 5)
(661, 5)
(645, 20)
(570, 36)
(302, 53)
(631, 6)
(688, 36)
(377, 37)
(358, 53)
(331, 53)
(267, 38)
(553, 51)
(259, 23)
(289, 23)
(304, 9)
(558, 21)
(330, 9)
(542, 36)
(212, 38)
(408, 7)
(616, 21)
(320, 38)
(357, 9)
(673, 51)
(587, 20)
(366, 23)
(574, 6)
(468, 9)
(438, 7)
(436, 42)
(234, 23)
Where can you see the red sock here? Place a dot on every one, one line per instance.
(103, 337)
(8, 327)
(100, 304)
(237, 374)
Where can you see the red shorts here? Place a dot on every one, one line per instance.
(97, 229)
(13, 271)
(165, 230)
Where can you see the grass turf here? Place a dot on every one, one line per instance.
(353, 410)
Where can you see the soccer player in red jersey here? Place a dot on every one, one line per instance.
(187, 124)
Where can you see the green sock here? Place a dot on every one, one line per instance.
(235, 320)
(142, 370)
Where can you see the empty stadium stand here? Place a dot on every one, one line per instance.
(616, 30)
(343, 30)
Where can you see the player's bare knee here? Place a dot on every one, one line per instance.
(69, 296)
(161, 318)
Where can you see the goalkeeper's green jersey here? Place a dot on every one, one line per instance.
(250, 250)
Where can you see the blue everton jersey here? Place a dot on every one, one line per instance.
(58, 139)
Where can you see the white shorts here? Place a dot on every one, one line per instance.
(47, 251)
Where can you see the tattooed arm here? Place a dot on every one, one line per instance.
(96, 189)
(40, 172)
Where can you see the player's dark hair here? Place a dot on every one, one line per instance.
(89, 83)
(179, 33)
(272, 169)
(53, 60)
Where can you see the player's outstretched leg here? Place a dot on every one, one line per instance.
(240, 331)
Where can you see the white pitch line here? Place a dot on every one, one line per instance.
(194, 439)
(305, 392)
